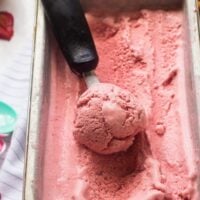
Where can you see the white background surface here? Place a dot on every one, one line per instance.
(15, 73)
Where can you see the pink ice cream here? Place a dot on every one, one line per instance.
(142, 52)
(108, 118)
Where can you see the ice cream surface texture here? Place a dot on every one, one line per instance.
(143, 53)
(108, 118)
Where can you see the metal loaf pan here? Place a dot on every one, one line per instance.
(39, 100)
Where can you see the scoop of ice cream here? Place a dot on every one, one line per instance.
(107, 119)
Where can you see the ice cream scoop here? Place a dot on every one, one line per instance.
(107, 117)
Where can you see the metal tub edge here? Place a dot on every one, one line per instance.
(34, 105)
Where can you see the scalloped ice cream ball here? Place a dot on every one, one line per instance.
(107, 119)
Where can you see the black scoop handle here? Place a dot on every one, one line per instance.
(72, 32)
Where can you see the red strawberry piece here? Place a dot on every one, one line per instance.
(6, 25)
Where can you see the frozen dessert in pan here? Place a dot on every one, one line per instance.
(147, 152)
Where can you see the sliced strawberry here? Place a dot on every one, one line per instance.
(6, 25)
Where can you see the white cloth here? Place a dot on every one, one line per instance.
(15, 74)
